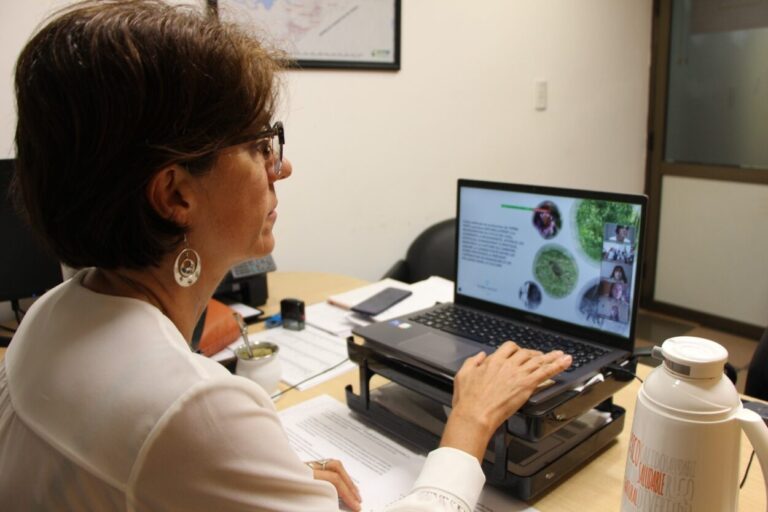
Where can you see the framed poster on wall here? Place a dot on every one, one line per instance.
(341, 34)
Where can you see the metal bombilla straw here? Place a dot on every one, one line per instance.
(244, 334)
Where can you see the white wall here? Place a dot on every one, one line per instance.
(376, 154)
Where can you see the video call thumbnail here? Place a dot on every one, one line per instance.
(618, 256)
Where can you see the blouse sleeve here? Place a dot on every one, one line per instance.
(451, 480)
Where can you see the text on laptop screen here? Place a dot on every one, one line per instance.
(571, 259)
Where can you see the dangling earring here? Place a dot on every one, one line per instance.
(186, 269)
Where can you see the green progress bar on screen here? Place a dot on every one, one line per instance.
(515, 207)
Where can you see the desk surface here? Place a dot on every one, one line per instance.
(596, 486)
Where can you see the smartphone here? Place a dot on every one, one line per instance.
(381, 301)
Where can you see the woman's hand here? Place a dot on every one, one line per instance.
(489, 389)
(332, 470)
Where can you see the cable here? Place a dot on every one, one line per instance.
(746, 471)
(620, 369)
(18, 312)
(294, 386)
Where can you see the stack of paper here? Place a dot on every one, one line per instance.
(335, 318)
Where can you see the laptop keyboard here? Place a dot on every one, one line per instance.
(493, 331)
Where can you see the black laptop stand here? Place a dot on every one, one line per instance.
(534, 450)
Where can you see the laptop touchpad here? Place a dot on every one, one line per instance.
(438, 349)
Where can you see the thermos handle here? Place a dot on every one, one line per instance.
(757, 433)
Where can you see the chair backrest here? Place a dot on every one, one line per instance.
(757, 376)
(432, 253)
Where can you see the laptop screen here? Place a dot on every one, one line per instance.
(566, 255)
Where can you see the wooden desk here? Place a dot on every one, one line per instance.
(597, 486)
(311, 287)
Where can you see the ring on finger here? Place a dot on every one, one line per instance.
(319, 464)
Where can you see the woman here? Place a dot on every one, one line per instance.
(147, 157)
(546, 218)
(618, 274)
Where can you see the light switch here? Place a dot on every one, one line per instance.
(541, 95)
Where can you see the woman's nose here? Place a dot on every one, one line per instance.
(286, 170)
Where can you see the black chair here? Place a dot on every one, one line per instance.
(757, 375)
(432, 253)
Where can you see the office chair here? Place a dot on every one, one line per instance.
(430, 254)
(757, 375)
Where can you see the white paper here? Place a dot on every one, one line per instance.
(245, 310)
(305, 353)
(329, 318)
(302, 354)
(227, 353)
(382, 469)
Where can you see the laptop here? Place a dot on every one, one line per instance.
(549, 268)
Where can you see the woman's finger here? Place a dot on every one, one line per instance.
(346, 494)
(520, 357)
(338, 467)
(506, 349)
(472, 361)
(536, 362)
(552, 364)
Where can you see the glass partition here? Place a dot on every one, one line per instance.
(717, 105)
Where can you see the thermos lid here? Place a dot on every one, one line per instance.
(695, 358)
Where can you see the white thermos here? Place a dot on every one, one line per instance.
(684, 448)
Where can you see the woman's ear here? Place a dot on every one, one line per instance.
(171, 194)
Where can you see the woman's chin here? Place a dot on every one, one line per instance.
(266, 246)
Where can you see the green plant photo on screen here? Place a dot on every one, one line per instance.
(556, 270)
(591, 217)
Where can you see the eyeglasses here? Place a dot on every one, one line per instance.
(275, 138)
(271, 145)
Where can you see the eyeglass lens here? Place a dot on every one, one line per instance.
(277, 153)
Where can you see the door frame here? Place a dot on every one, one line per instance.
(657, 168)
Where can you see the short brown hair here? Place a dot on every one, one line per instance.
(111, 92)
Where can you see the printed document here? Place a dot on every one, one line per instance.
(302, 354)
(382, 469)
(306, 353)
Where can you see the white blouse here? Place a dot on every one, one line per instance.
(103, 406)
